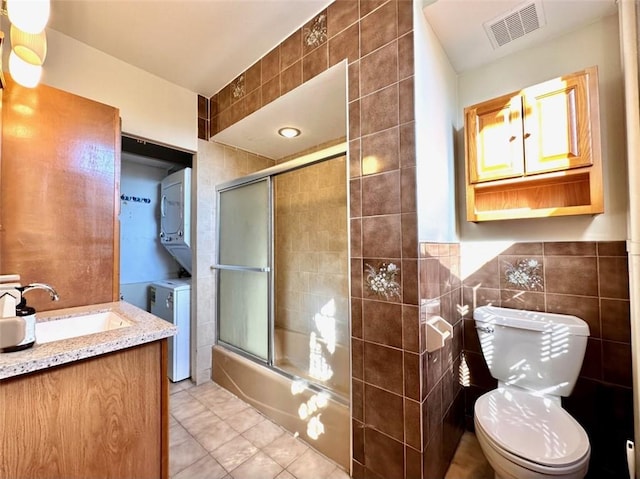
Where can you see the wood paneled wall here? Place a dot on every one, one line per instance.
(59, 200)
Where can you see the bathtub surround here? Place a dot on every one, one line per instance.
(311, 272)
(303, 377)
(586, 279)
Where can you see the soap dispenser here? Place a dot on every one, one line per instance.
(27, 315)
(12, 329)
(17, 320)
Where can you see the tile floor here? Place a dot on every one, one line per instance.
(215, 435)
(469, 462)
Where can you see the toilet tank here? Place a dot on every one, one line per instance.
(533, 350)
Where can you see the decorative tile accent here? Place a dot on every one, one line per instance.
(316, 33)
(382, 280)
(237, 88)
(524, 274)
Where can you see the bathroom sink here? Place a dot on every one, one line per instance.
(81, 325)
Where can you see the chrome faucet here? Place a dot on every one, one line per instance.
(46, 287)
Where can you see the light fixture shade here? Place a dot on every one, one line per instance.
(24, 73)
(30, 16)
(31, 47)
(289, 132)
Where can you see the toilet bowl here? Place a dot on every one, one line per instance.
(525, 436)
(521, 426)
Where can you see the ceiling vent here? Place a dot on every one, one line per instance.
(514, 24)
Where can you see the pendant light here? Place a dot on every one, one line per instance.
(24, 73)
(31, 47)
(28, 39)
(30, 16)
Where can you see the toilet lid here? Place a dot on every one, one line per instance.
(532, 427)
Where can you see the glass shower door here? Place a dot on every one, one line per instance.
(243, 268)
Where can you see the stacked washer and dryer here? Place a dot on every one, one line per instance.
(171, 299)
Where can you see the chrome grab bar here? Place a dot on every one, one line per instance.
(228, 267)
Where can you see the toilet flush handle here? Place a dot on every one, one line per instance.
(485, 329)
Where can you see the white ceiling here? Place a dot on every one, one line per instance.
(318, 108)
(199, 44)
(458, 24)
(202, 45)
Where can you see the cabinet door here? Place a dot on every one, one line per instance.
(557, 133)
(494, 139)
(60, 174)
(101, 418)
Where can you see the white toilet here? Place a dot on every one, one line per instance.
(521, 426)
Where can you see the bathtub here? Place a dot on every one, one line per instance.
(317, 417)
(293, 352)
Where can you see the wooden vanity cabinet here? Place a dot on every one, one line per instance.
(535, 152)
(103, 417)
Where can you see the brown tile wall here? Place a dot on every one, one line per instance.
(203, 117)
(442, 395)
(376, 39)
(390, 400)
(589, 280)
(311, 252)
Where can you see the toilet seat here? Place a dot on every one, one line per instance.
(531, 431)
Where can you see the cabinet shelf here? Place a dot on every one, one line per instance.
(543, 196)
(534, 180)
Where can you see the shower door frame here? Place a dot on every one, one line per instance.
(327, 154)
(231, 185)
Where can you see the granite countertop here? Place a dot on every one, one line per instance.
(145, 328)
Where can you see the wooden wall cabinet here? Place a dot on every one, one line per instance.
(103, 417)
(536, 152)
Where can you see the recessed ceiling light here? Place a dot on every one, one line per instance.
(289, 132)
